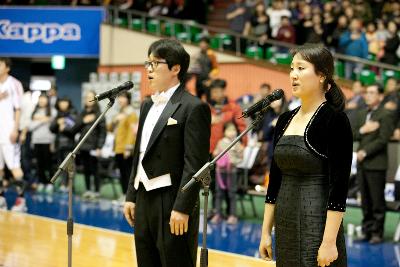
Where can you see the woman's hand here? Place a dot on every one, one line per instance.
(327, 253)
(265, 248)
(89, 118)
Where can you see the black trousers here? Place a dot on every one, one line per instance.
(90, 168)
(372, 188)
(26, 159)
(44, 161)
(124, 166)
(155, 245)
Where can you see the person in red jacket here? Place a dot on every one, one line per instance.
(223, 111)
(286, 32)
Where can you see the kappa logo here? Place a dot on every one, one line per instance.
(36, 32)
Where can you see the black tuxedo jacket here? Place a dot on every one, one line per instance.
(180, 149)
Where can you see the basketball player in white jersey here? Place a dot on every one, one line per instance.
(11, 92)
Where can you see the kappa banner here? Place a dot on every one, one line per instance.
(50, 31)
(36, 32)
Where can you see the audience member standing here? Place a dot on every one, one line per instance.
(237, 14)
(275, 13)
(226, 183)
(286, 32)
(91, 149)
(61, 126)
(207, 68)
(223, 110)
(373, 129)
(391, 45)
(356, 102)
(27, 107)
(354, 43)
(42, 139)
(258, 26)
(340, 29)
(125, 127)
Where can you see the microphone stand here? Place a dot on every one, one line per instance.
(203, 176)
(68, 166)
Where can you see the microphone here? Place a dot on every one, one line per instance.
(263, 103)
(114, 92)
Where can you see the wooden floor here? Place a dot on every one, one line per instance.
(32, 241)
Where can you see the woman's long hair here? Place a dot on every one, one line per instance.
(95, 108)
(47, 108)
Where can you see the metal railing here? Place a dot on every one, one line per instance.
(234, 41)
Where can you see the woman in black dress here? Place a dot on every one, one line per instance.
(307, 192)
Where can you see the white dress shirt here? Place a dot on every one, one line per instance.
(148, 127)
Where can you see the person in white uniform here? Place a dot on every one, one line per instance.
(11, 92)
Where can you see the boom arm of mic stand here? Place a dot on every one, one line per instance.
(203, 174)
(71, 156)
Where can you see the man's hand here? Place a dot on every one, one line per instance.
(361, 154)
(352, 105)
(369, 127)
(396, 134)
(355, 36)
(216, 119)
(129, 213)
(89, 118)
(178, 223)
(127, 153)
(22, 137)
(61, 124)
(390, 106)
(263, 38)
(240, 11)
(60, 121)
(14, 136)
(3, 95)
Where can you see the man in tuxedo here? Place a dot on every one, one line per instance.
(373, 128)
(172, 144)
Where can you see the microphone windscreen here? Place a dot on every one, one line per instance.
(276, 94)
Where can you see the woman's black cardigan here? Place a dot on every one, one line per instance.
(328, 135)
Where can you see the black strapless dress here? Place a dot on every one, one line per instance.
(301, 206)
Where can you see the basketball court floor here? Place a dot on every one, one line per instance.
(103, 238)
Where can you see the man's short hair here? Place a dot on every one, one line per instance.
(218, 83)
(205, 39)
(380, 88)
(173, 52)
(265, 85)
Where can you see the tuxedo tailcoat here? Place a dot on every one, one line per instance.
(180, 150)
